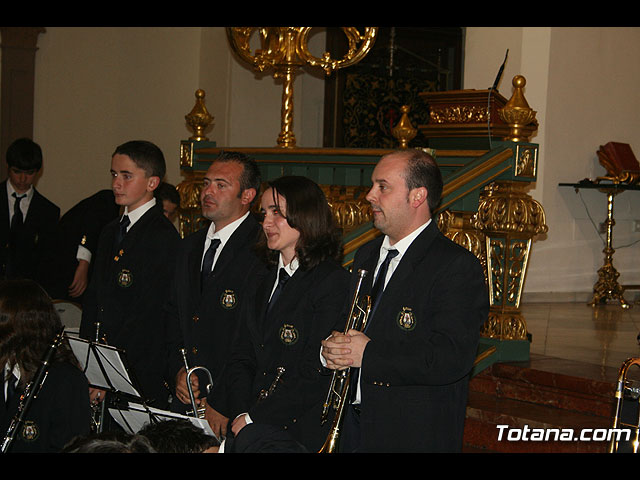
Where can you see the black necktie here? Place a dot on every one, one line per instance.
(17, 219)
(207, 263)
(124, 223)
(283, 276)
(378, 286)
(11, 388)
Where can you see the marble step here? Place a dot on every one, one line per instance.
(547, 396)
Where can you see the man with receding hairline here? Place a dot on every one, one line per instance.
(411, 365)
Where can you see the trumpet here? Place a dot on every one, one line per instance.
(196, 411)
(339, 387)
(631, 389)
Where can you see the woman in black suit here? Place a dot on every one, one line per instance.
(61, 410)
(283, 326)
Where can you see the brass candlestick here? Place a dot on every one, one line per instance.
(607, 286)
(285, 50)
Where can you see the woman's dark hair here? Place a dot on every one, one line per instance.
(307, 210)
(28, 324)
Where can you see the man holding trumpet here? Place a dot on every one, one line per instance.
(410, 366)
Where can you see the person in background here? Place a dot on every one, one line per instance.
(168, 198)
(27, 219)
(67, 267)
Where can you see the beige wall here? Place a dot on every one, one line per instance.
(98, 87)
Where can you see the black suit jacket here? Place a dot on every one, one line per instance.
(308, 309)
(127, 295)
(81, 225)
(33, 240)
(209, 314)
(424, 336)
(60, 412)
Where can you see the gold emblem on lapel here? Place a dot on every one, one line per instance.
(117, 257)
(125, 278)
(228, 299)
(406, 320)
(288, 334)
(30, 431)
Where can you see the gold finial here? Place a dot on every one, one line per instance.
(404, 131)
(199, 118)
(286, 50)
(516, 112)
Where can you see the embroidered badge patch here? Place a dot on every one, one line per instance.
(406, 319)
(125, 278)
(30, 431)
(228, 299)
(288, 334)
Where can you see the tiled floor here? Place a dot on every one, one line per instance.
(603, 335)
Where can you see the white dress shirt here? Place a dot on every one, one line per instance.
(224, 234)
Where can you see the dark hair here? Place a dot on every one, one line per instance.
(145, 155)
(166, 191)
(309, 213)
(423, 171)
(24, 154)
(251, 177)
(109, 442)
(28, 324)
(177, 436)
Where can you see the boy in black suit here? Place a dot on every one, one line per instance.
(133, 269)
(27, 219)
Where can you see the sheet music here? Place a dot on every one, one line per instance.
(136, 416)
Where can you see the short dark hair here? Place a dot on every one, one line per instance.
(308, 212)
(251, 177)
(145, 155)
(24, 154)
(423, 171)
(177, 436)
(166, 191)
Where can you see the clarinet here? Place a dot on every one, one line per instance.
(31, 392)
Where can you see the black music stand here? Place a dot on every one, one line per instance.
(106, 369)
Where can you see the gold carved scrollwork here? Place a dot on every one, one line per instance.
(526, 161)
(190, 219)
(457, 226)
(285, 50)
(348, 205)
(509, 218)
(458, 114)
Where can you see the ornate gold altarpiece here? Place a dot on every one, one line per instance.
(480, 141)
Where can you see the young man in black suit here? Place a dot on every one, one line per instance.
(413, 361)
(208, 296)
(133, 269)
(27, 219)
